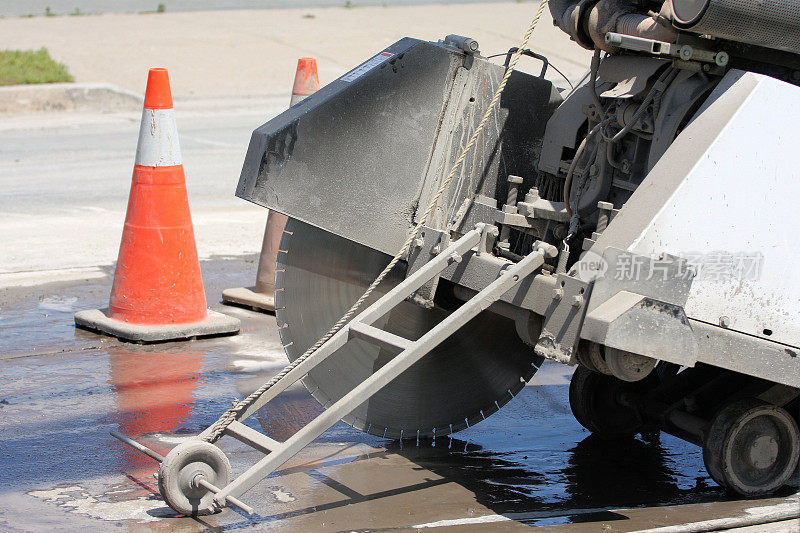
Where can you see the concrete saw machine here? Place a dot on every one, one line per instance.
(639, 227)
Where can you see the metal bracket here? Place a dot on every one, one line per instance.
(468, 45)
(529, 53)
(429, 243)
(680, 52)
(489, 233)
(536, 207)
(564, 319)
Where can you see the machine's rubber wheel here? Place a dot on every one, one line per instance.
(582, 355)
(594, 399)
(598, 359)
(590, 355)
(752, 448)
(628, 366)
(179, 469)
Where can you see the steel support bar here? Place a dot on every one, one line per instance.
(372, 313)
(136, 446)
(200, 481)
(388, 341)
(251, 437)
(409, 286)
(384, 375)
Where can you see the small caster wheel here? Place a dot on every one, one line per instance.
(594, 399)
(752, 448)
(628, 366)
(177, 477)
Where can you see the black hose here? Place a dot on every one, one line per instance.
(578, 154)
(661, 84)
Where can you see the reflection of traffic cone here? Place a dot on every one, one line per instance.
(158, 290)
(154, 393)
(260, 297)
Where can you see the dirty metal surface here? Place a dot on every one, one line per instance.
(528, 465)
(563, 320)
(718, 198)
(640, 309)
(426, 246)
(362, 155)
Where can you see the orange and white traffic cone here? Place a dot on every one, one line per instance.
(306, 80)
(260, 297)
(158, 291)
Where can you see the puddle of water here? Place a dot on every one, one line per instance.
(60, 304)
(532, 454)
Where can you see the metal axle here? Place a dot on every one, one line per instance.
(199, 480)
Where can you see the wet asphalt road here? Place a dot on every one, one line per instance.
(530, 464)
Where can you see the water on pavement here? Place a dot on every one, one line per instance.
(63, 391)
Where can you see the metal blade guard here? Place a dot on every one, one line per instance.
(358, 157)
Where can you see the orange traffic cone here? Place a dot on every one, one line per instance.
(158, 291)
(306, 80)
(260, 297)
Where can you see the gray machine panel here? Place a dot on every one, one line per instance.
(723, 197)
(359, 157)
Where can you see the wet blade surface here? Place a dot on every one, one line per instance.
(468, 377)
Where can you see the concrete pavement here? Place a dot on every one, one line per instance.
(254, 53)
(62, 206)
(12, 8)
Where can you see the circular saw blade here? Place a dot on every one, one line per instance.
(465, 379)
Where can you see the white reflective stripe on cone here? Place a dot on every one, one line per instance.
(298, 98)
(158, 139)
